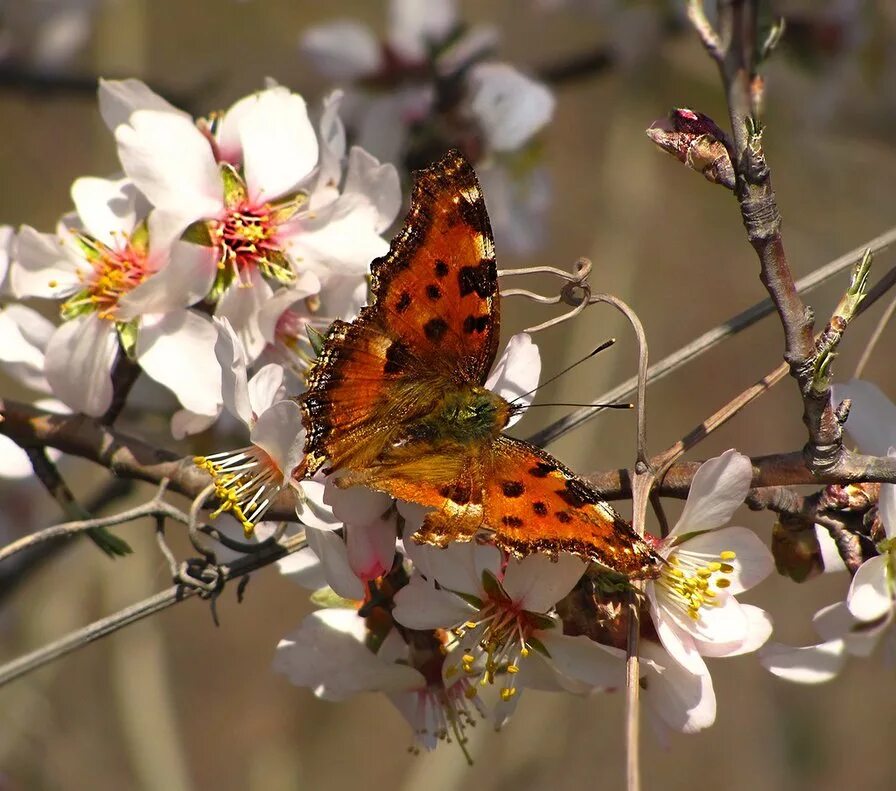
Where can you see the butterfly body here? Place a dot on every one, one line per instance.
(397, 399)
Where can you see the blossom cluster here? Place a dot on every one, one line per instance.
(214, 262)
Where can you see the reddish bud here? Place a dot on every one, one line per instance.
(697, 141)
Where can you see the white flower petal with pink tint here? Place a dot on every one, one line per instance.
(515, 375)
(231, 357)
(25, 334)
(598, 666)
(279, 143)
(119, 99)
(331, 550)
(340, 237)
(377, 182)
(415, 25)
(264, 388)
(812, 664)
(79, 361)
(458, 567)
(171, 162)
(14, 462)
(419, 605)
(341, 50)
(327, 653)
(311, 508)
(184, 423)
(107, 208)
(536, 583)
(42, 267)
(872, 417)
(331, 131)
(240, 304)
(278, 431)
(720, 486)
(305, 285)
(176, 349)
(871, 592)
(830, 555)
(371, 548)
(304, 569)
(183, 281)
(836, 622)
(510, 107)
(679, 643)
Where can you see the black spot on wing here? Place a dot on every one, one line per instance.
(482, 278)
(433, 292)
(512, 488)
(435, 328)
(563, 517)
(539, 508)
(476, 323)
(459, 492)
(397, 358)
(541, 470)
(403, 303)
(441, 268)
(576, 494)
(512, 521)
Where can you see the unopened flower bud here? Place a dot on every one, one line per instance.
(697, 141)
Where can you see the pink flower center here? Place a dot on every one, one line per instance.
(116, 272)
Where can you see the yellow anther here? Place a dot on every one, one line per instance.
(714, 566)
(723, 583)
(727, 568)
(507, 694)
(704, 572)
(450, 671)
(727, 555)
(470, 625)
(524, 652)
(513, 669)
(470, 693)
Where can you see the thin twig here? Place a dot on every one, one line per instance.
(160, 601)
(711, 339)
(155, 507)
(875, 338)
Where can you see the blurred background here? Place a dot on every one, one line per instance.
(176, 703)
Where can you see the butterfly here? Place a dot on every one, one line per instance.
(396, 399)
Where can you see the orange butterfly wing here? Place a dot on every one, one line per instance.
(432, 324)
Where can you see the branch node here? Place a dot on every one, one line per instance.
(761, 217)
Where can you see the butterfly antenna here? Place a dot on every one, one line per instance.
(628, 405)
(605, 345)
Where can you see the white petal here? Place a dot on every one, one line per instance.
(14, 461)
(510, 107)
(332, 153)
(759, 629)
(584, 660)
(264, 387)
(378, 183)
(830, 555)
(311, 509)
(341, 50)
(872, 418)
(7, 245)
(331, 550)
(676, 641)
(120, 98)
(752, 562)
(42, 268)
(184, 423)
(25, 334)
(279, 433)
(887, 506)
(419, 605)
(414, 25)
(106, 207)
(240, 305)
(683, 701)
(356, 505)
(371, 547)
(458, 567)
(870, 595)
(328, 655)
(341, 237)
(811, 664)
(515, 375)
(719, 487)
(303, 568)
(279, 144)
(231, 357)
(183, 281)
(177, 350)
(79, 363)
(304, 285)
(171, 162)
(537, 583)
(834, 621)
